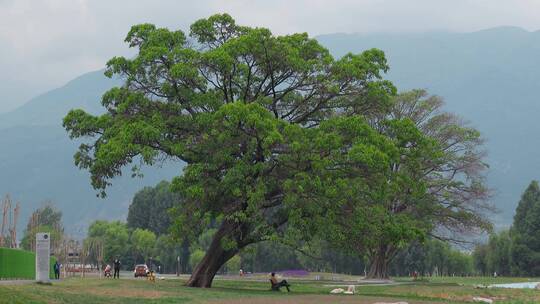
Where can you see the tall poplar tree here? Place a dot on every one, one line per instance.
(525, 232)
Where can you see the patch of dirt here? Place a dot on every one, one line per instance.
(123, 292)
(315, 299)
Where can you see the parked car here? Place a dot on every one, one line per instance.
(141, 270)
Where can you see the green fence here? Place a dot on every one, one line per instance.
(19, 264)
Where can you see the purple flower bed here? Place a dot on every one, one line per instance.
(295, 273)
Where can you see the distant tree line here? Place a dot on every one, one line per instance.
(432, 258)
(146, 237)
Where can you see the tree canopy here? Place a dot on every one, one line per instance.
(113, 235)
(150, 208)
(44, 219)
(143, 242)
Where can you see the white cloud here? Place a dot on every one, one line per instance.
(44, 43)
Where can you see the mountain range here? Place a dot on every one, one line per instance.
(490, 77)
(36, 159)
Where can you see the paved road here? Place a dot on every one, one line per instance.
(16, 282)
(129, 275)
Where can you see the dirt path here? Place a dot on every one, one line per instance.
(16, 282)
(339, 299)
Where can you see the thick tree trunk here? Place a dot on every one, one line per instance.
(184, 257)
(380, 264)
(378, 269)
(215, 257)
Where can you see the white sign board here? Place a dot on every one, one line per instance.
(43, 256)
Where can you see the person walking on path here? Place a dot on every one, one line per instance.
(56, 270)
(117, 265)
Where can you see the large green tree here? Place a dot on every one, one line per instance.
(271, 128)
(435, 186)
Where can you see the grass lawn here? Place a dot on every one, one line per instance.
(93, 290)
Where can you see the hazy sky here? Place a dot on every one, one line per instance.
(44, 43)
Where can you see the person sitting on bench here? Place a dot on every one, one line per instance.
(277, 285)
